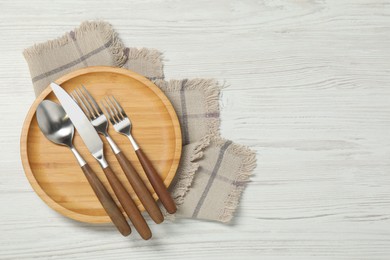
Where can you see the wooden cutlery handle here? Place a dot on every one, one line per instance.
(157, 183)
(106, 200)
(128, 204)
(140, 188)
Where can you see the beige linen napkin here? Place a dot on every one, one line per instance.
(213, 171)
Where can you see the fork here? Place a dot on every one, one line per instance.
(97, 118)
(122, 125)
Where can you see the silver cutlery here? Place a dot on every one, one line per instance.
(95, 146)
(57, 127)
(122, 125)
(97, 118)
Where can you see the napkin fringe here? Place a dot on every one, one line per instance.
(183, 184)
(38, 48)
(117, 48)
(185, 180)
(211, 89)
(245, 171)
(147, 54)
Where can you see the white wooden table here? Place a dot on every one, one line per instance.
(308, 90)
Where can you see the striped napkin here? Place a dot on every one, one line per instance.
(213, 171)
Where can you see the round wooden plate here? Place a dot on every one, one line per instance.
(53, 171)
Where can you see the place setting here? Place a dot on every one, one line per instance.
(68, 111)
(109, 140)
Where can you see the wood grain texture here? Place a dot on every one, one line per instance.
(139, 187)
(307, 89)
(108, 203)
(55, 174)
(156, 182)
(128, 204)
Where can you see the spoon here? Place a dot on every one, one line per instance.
(57, 127)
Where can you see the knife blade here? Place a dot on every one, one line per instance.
(87, 132)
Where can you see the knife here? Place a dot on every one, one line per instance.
(95, 146)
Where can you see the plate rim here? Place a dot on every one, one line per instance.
(31, 112)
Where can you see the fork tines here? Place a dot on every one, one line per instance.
(86, 102)
(113, 110)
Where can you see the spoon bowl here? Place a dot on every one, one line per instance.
(55, 123)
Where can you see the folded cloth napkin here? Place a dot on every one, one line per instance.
(213, 171)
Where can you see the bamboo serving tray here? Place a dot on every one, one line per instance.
(54, 173)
